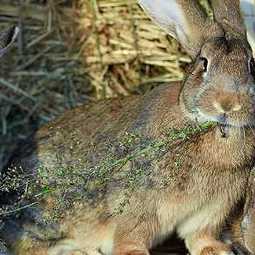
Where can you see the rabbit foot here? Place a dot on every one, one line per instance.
(65, 247)
(134, 252)
(225, 250)
(137, 253)
(62, 251)
(69, 247)
(127, 250)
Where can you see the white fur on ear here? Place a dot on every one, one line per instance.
(7, 38)
(248, 11)
(168, 14)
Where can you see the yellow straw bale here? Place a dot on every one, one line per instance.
(121, 48)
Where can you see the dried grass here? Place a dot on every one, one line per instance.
(41, 77)
(122, 49)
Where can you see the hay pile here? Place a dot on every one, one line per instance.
(41, 77)
(123, 49)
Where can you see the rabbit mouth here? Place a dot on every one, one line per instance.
(225, 120)
(224, 130)
(223, 125)
(222, 122)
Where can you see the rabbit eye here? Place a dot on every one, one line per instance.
(204, 63)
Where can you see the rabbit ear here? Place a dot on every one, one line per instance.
(248, 13)
(228, 14)
(182, 19)
(7, 38)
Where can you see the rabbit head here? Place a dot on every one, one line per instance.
(7, 37)
(220, 86)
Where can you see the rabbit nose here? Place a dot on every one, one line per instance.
(227, 106)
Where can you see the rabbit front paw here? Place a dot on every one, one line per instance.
(127, 249)
(134, 252)
(65, 247)
(217, 250)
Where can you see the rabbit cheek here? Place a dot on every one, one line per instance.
(205, 106)
(189, 94)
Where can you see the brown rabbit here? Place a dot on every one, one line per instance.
(120, 176)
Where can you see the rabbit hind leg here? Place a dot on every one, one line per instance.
(27, 246)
